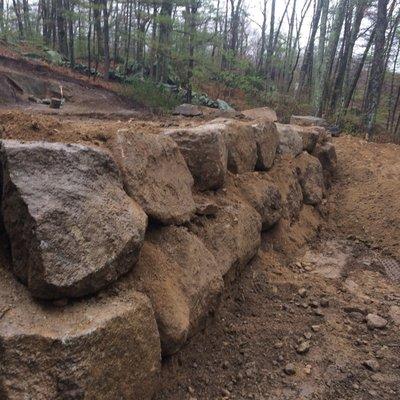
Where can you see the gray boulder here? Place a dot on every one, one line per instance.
(290, 142)
(205, 153)
(72, 228)
(188, 110)
(307, 120)
(94, 349)
(155, 174)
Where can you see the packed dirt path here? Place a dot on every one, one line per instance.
(323, 324)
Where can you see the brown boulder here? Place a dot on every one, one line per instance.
(311, 178)
(182, 280)
(326, 154)
(93, 349)
(264, 113)
(241, 145)
(232, 235)
(261, 194)
(267, 140)
(290, 142)
(72, 228)
(155, 174)
(310, 138)
(205, 153)
(284, 176)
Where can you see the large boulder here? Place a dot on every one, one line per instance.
(155, 174)
(241, 145)
(106, 348)
(307, 120)
(72, 228)
(285, 176)
(310, 138)
(205, 153)
(267, 140)
(290, 142)
(180, 276)
(232, 235)
(311, 178)
(326, 154)
(262, 194)
(264, 113)
(188, 110)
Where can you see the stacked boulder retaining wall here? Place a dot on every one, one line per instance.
(151, 230)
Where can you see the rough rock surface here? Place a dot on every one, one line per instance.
(311, 178)
(205, 153)
(264, 113)
(310, 138)
(326, 153)
(104, 348)
(72, 228)
(241, 145)
(182, 280)
(285, 177)
(233, 235)
(261, 194)
(307, 120)
(290, 142)
(155, 174)
(267, 140)
(188, 110)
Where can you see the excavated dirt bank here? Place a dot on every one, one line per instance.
(318, 294)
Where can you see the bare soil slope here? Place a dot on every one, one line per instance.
(295, 328)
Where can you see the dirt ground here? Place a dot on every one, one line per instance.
(295, 328)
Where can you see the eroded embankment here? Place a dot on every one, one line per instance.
(142, 239)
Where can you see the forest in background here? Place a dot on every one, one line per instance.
(333, 58)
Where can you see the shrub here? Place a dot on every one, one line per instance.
(146, 93)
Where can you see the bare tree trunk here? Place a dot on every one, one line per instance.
(17, 10)
(106, 36)
(164, 40)
(375, 82)
(62, 29)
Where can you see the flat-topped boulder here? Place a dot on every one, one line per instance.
(181, 277)
(307, 120)
(290, 142)
(267, 141)
(262, 194)
(72, 228)
(188, 110)
(263, 113)
(311, 178)
(106, 348)
(205, 153)
(155, 174)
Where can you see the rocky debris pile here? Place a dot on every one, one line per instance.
(77, 218)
